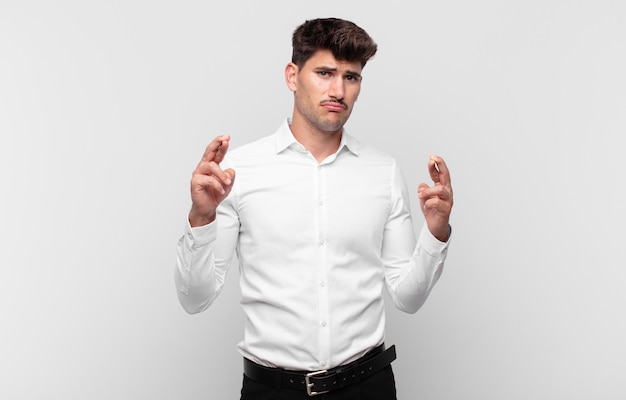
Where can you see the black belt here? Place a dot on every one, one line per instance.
(318, 382)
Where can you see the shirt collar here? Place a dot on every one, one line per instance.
(285, 139)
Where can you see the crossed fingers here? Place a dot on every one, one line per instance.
(208, 173)
(216, 150)
(436, 201)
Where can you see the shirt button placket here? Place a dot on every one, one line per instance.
(322, 270)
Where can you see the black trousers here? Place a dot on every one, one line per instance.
(380, 386)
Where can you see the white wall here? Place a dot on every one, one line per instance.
(106, 106)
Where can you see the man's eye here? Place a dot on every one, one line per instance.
(323, 73)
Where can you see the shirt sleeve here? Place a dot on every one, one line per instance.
(204, 257)
(412, 267)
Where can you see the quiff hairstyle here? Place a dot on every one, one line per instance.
(346, 40)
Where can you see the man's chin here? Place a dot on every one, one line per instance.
(333, 125)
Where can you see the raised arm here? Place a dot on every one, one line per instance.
(200, 272)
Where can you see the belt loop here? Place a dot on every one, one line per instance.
(277, 380)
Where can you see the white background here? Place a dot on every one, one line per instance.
(106, 107)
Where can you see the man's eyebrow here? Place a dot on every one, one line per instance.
(325, 68)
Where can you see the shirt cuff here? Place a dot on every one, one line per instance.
(201, 235)
(430, 243)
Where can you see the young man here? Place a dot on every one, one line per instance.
(321, 224)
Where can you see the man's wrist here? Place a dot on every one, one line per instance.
(443, 234)
(200, 220)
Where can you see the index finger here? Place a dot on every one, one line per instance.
(216, 150)
(438, 170)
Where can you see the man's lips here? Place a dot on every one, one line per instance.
(334, 106)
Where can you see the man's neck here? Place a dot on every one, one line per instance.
(319, 143)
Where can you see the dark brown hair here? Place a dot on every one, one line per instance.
(344, 39)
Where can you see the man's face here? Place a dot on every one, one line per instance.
(325, 90)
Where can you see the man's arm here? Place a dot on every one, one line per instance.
(413, 267)
(203, 259)
(199, 273)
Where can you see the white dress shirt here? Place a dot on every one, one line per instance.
(316, 245)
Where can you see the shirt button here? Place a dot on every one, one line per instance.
(322, 284)
(321, 202)
(321, 242)
(323, 363)
(323, 323)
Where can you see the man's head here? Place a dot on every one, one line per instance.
(345, 40)
(325, 72)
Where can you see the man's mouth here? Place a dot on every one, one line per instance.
(334, 105)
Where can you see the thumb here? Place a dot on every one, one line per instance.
(421, 188)
(420, 195)
(231, 173)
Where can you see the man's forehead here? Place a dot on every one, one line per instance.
(324, 59)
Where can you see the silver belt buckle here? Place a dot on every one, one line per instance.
(309, 385)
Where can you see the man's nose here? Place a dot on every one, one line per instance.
(336, 89)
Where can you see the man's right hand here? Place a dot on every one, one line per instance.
(209, 184)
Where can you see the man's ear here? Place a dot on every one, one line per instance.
(291, 73)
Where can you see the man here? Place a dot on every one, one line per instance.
(321, 225)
